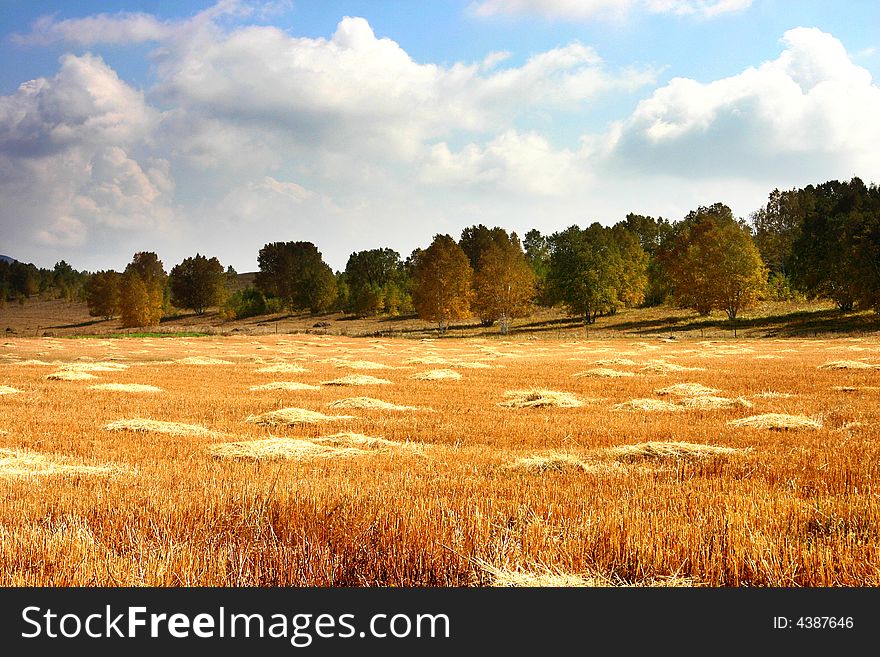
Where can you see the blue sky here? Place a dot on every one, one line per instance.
(219, 126)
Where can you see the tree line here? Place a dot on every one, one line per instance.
(819, 241)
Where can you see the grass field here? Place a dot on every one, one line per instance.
(620, 461)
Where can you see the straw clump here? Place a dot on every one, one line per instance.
(8, 390)
(203, 360)
(125, 387)
(357, 380)
(94, 367)
(362, 365)
(369, 403)
(540, 398)
(436, 375)
(662, 367)
(556, 461)
(614, 361)
(777, 421)
(158, 426)
(709, 402)
(22, 463)
(848, 365)
(70, 375)
(292, 416)
(285, 385)
(647, 405)
(604, 372)
(687, 390)
(269, 449)
(540, 576)
(667, 450)
(282, 368)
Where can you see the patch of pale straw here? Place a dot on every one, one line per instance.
(540, 398)
(604, 372)
(436, 375)
(356, 380)
(8, 390)
(369, 403)
(292, 416)
(647, 405)
(361, 365)
(285, 385)
(94, 367)
(771, 394)
(125, 387)
(661, 367)
(708, 402)
(23, 463)
(269, 449)
(282, 368)
(159, 426)
(848, 365)
(777, 421)
(203, 360)
(667, 450)
(686, 390)
(615, 361)
(67, 375)
(556, 461)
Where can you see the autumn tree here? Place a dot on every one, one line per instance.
(142, 291)
(198, 283)
(713, 263)
(296, 273)
(102, 294)
(442, 280)
(504, 284)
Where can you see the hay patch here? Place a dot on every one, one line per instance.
(125, 387)
(23, 463)
(362, 365)
(848, 365)
(539, 576)
(285, 385)
(540, 398)
(777, 421)
(711, 403)
(614, 361)
(648, 406)
(687, 390)
(604, 372)
(203, 360)
(270, 449)
(293, 416)
(771, 394)
(668, 450)
(158, 426)
(436, 375)
(662, 367)
(359, 440)
(282, 368)
(556, 461)
(357, 380)
(369, 403)
(7, 390)
(68, 375)
(94, 367)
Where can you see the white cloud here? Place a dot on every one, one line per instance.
(809, 113)
(586, 10)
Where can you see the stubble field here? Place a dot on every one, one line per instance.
(329, 461)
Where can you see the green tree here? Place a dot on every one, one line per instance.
(504, 285)
(374, 280)
(198, 283)
(297, 274)
(442, 281)
(777, 226)
(103, 295)
(713, 264)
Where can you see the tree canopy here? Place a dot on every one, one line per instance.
(442, 281)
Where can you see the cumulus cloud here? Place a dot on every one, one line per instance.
(584, 10)
(810, 112)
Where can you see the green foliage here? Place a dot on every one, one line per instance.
(198, 283)
(442, 281)
(248, 302)
(504, 284)
(103, 294)
(296, 273)
(376, 281)
(713, 264)
(780, 288)
(777, 227)
(594, 271)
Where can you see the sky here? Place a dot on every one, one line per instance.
(183, 126)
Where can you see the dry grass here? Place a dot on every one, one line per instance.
(539, 576)
(772, 394)
(777, 421)
(436, 375)
(711, 403)
(648, 406)
(356, 380)
(203, 360)
(284, 385)
(293, 416)
(604, 372)
(282, 368)
(8, 390)
(668, 368)
(687, 390)
(668, 450)
(361, 365)
(143, 425)
(270, 449)
(24, 463)
(125, 387)
(614, 361)
(369, 403)
(94, 367)
(540, 398)
(556, 461)
(848, 365)
(68, 375)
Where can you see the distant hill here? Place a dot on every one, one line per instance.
(7, 259)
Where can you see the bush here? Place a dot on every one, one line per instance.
(779, 288)
(248, 302)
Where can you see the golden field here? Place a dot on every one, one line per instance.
(253, 461)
